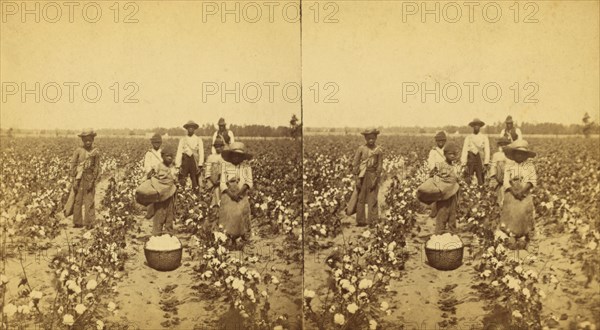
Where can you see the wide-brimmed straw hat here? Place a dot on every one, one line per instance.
(477, 122)
(370, 131)
(519, 146)
(236, 148)
(218, 142)
(168, 150)
(441, 136)
(87, 132)
(156, 138)
(221, 121)
(509, 120)
(191, 123)
(503, 141)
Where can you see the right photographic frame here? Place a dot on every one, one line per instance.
(450, 159)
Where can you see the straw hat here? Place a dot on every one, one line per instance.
(191, 123)
(370, 131)
(236, 148)
(156, 138)
(441, 136)
(218, 142)
(477, 122)
(87, 132)
(503, 141)
(509, 120)
(168, 150)
(519, 146)
(221, 121)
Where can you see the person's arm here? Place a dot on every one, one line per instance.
(463, 157)
(356, 162)
(212, 145)
(231, 136)
(486, 148)
(200, 152)
(247, 180)
(179, 154)
(519, 134)
(502, 132)
(74, 163)
(223, 184)
(147, 162)
(431, 160)
(97, 168)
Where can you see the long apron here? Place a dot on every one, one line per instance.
(235, 216)
(517, 215)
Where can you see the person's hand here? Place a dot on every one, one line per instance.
(150, 174)
(75, 184)
(374, 184)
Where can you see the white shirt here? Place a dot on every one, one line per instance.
(232, 139)
(436, 157)
(192, 146)
(518, 131)
(151, 159)
(476, 143)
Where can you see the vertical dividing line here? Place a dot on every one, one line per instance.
(302, 166)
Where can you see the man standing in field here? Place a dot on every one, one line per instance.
(190, 156)
(85, 172)
(510, 132)
(225, 134)
(367, 169)
(476, 153)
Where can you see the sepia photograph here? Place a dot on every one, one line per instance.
(283, 165)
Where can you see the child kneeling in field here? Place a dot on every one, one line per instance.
(447, 180)
(520, 177)
(164, 180)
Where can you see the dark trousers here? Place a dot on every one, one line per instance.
(367, 198)
(474, 165)
(188, 168)
(164, 215)
(84, 198)
(445, 218)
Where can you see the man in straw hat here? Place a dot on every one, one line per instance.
(476, 152)
(436, 155)
(497, 164)
(519, 178)
(510, 131)
(236, 181)
(153, 156)
(85, 174)
(367, 168)
(190, 156)
(226, 135)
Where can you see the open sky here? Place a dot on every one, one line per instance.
(173, 49)
(361, 63)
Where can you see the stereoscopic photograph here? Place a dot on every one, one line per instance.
(271, 165)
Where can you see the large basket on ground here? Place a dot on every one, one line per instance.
(445, 259)
(164, 260)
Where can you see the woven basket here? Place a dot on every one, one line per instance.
(445, 259)
(164, 260)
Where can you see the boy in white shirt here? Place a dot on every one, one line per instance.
(190, 156)
(476, 153)
(153, 156)
(436, 155)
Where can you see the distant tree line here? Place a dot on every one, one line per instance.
(495, 128)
